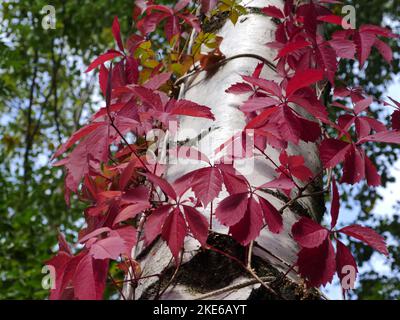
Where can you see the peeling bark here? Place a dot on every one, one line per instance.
(207, 274)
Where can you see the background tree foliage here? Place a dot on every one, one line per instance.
(45, 96)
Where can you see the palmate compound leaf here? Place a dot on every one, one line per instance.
(163, 184)
(294, 166)
(357, 165)
(366, 235)
(303, 79)
(248, 219)
(346, 265)
(154, 223)
(234, 182)
(317, 265)
(174, 231)
(249, 227)
(116, 30)
(109, 55)
(272, 216)
(332, 152)
(232, 209)
(273, 11)
(292, 47)
(308, 233)
(207, 184)
(108, 248)
(189, 108)
(335, 204)
(198, 224)
(245, 215)
(89, 278)
(131, 211)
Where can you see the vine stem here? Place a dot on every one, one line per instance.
(277, 167)
(249, 270)
(117, 286)
(234, 287)
(172, 278)
(302, 189)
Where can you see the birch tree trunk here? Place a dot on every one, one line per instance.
(205, 274)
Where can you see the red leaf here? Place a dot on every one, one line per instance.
(150, 22)
(364, 42)
(335, 204)
(280, 183)
(162, 183)
(267, 85)
(344, 258)
(384, 49)
(132, 70)
(362, 105)
(108, 248)
(295, 166)
(308, 233)
(333, 151)
(234, 182)
(258, 103)
(344, 48)
(317, 264)
(232, 209)
(385, 136)
(63, 245)
(249, 227)
(181, 4)
(131, 211)
(127, 173)
(154, 223)
(89, 278)
(184, 183)
(331, 19)
(157, 81)
(366, 235)
(198, 224)
(171, 27)
(207, 184)
(160, 8)
(103, 76)
(111, 54)
(396, 120)
(353, 167)
(174, 232)
(326, 58)
(61, 263)
(273, 11)
(81, 133)
(239, 88)
(292, 47)
(129, 235)
(138, 194)
(116, 30)
(93, 234)
(303, 79)
(288, 126)
(372, 175)
(272, 216)
(189, 108)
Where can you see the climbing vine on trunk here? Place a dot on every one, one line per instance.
(115, 162)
